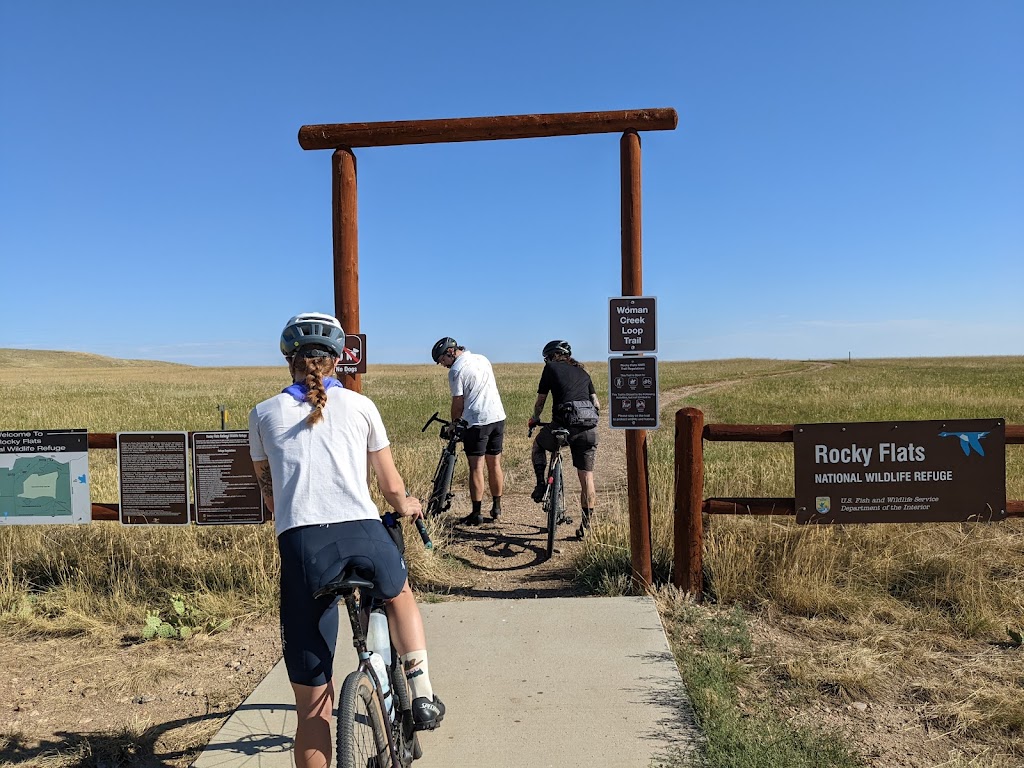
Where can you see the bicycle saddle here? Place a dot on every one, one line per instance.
(343, 585)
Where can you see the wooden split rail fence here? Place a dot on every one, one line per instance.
(691, 506)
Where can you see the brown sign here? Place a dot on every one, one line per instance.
(633, 392)
(900, 471)
(224, 481)
(152, 472)
(354, 360)
(631, 324)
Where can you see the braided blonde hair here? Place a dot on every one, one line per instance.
(313, 370)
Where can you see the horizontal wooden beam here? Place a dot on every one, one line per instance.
(399, 132)
(742, 506)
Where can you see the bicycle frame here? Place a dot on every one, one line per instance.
(441, 485)
(348, 588)
(553, 502)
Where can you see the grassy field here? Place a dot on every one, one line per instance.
(798, 621)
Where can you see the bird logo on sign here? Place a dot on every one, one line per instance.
(968, 441)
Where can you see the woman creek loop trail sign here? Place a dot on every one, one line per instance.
(633, 377)
(900, 471)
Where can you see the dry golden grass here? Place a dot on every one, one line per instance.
(912, 613)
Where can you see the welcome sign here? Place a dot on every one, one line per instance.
(900, 471)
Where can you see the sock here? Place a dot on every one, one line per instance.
(415, 665)
(540, 470)
(476, 507)
(587, 512)
(495, 502)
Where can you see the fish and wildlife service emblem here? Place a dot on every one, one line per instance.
(822, 504)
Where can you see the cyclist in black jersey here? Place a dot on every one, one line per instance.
(575, 407)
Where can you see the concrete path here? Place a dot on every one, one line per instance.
(558, 682)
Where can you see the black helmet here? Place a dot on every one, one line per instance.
(312, 334)
(441, 345)
(557, 347)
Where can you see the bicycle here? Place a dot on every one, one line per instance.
(441, 491)
(553, 502)
(374, 723)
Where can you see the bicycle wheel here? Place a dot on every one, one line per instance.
(554, 494)
(362, 740)
(440, 496)
(444, 491)
(406, 739)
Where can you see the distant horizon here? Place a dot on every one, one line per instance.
(537, 362)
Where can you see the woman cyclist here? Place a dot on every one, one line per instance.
(572, 389)
(310, 446)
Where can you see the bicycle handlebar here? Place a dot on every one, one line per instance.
(536, 424)
(459, 425)
(391, 519)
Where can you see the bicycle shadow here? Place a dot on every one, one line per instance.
(501, 545)
(116, 747)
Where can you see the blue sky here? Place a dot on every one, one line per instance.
(846, 177)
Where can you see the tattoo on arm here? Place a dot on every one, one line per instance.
(265, 481)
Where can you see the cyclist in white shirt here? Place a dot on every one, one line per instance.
(310, 447)
(475, 399)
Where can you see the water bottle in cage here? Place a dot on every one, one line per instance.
(378, 642)
(378, 638)
(385, 683)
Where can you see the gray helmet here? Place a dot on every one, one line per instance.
(312, 334)
(441, 345)
(557, 347)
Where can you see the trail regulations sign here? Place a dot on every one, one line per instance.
(631, 324)
(633, 392)
(225, 484)
(900, 471)
(44, 477)
(152, 473)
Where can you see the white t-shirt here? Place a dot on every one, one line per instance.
(471, 377)
(319, 472)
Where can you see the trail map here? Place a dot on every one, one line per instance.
(44, 477)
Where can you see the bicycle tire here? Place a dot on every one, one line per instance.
(552, 507)
(440, 493)
(362, 740)
(446, 482)
(406, 739)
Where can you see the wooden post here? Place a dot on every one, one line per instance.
(636, 439)
(346, 248)
(688, 525)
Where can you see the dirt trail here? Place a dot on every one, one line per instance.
(506, 557)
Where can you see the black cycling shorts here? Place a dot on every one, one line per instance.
(484, 439)
(582, 446)
(311, 557)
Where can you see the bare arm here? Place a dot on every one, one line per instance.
(538, 407)
(593, 397)
(392, 485)
(262, 469)
(458, 405)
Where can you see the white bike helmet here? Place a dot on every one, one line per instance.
(312, 334)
